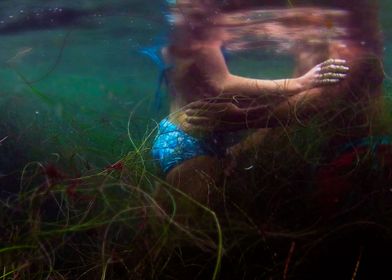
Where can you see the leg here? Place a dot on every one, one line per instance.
(197, 181)
(197, 177)
(191, 172)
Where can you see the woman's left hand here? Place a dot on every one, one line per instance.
(330, 72)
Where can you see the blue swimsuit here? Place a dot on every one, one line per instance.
(172, 146)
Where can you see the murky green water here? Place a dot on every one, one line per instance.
(70, 91)
(76, 95)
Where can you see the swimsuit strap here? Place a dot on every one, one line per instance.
(153, 53)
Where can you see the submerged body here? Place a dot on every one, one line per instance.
(193, 161)
(347, 113)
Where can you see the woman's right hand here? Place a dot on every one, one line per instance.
(215, 114)
(329, 72)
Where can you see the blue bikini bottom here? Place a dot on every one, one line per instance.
(172, 146)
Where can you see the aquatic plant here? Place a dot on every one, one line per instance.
(278, 221)
(288, 212)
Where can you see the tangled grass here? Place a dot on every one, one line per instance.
(109, 225)
(282, 218)
(105, 225)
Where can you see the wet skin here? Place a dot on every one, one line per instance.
(204, 99)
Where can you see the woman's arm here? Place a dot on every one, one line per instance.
(361, 85)
(211, 63)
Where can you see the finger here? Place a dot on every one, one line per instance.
(334, 61)
(196, 104)
(202, 102)
(202, 112)
(331, 75)
(334, 69)
(327, 82)
(202, 105)
(188, 127)
(200, 121)
(197, 112)
(212, 110)
(333, 65)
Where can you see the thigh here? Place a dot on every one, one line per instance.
(192, 186)
(197, 177)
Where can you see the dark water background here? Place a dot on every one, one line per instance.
(73, 80)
